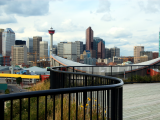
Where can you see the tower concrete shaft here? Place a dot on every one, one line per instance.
(51, 32)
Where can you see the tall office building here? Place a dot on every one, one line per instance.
(43, 49)
(101, 50)
(155, 55)
(114, 52)
(84, 47)
(137, 50)
(19, 54)
(89, 42)
(1, 30)
(148, 53)
(70, 51)
(89, 39)
(8, 40)
(29, 44)
(107, 53)
(55, 49)
(99, 47)
(79, 48)
(67, 50)
(60, 49)
(36, 48)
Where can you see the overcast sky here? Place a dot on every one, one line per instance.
(120, 23)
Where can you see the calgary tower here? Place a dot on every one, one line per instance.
(51, 32)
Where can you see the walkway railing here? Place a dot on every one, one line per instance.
(91, 96)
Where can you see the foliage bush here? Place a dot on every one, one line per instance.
(7, 91)
(19, 80)
(143, 79)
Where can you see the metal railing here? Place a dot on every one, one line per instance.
(89, 96)
(130, 73)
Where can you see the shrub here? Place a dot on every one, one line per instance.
(147, 78)
(7, 91)
(19, 80)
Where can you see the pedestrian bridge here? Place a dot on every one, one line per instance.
(140, 68)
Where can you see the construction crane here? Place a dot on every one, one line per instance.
(44, 57)
(45, 61)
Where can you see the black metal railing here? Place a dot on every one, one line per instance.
(72, 96)
(128, 73)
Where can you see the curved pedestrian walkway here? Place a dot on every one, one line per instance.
(141, 101)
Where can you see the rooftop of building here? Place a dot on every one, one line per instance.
(146, 51)
(37, 36)
(97, 38)
(8, 30)
(35, 68)
(127, 56)
(43, 41)
(2, 81)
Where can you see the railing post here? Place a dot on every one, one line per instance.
(131, 73)
(150, 72)
(114, 104)
(85, 93)
(2, 109)
(52, 85)
(73, 77)
(111, 70)
(52, 82)
(120, 104)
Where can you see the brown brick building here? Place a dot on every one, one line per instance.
(6, 60)
(155, 55)
(89, 42)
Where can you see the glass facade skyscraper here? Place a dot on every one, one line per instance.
(8, 40)
(100, 49)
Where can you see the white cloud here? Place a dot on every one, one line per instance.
(20, 30)
(150, 6)
(106, 17)
(104, 6)
(119, 32)
(5, 19)
(68, 25)
(25, 7)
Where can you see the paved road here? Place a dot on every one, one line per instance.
(141, 101)
(16, 88)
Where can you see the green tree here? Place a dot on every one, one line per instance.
(19, 80)
(7, 91)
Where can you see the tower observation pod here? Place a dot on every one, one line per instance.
(51, 32)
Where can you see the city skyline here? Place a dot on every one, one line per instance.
(124, 24)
